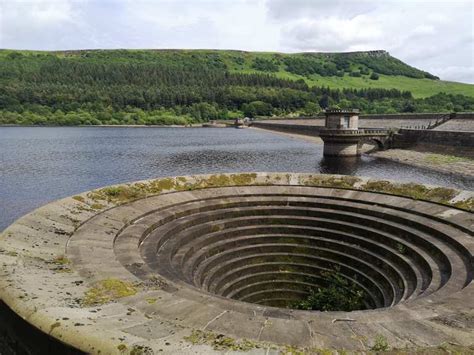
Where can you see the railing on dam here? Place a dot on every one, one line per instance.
(354, 132)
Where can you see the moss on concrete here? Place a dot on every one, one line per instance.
(122, 347)
(97, 206)
(345, 182)
(416, 191)
(108, 290)
(126, 193)
(227, 180)
(141, 350)
(467, 204)
(221, 342)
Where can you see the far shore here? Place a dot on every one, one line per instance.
(197, 125)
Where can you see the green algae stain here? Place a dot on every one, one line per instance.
(108, 290)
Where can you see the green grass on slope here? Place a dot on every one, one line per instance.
(420, 88)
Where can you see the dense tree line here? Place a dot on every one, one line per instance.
(126, 87)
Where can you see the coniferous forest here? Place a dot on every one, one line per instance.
(167, 87)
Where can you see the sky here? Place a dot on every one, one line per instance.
(436, 36)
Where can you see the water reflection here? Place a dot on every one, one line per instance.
(340, 165)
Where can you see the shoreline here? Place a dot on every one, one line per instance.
(107, 126)
(461, 168)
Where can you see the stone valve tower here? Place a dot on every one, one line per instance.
(341, 134)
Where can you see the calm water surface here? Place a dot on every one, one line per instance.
(38, 165)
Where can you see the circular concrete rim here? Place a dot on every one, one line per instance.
(41, 281)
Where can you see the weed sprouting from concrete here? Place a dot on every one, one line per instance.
(340, 294)
(380, 343)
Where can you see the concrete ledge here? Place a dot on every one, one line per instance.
(142, 267)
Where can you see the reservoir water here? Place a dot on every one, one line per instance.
(42, 164)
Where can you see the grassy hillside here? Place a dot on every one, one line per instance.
(185, 86)
(420, 87)
(244, 62)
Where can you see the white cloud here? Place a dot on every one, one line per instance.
(431, 35)
(332, 34)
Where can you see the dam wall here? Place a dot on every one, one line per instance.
(296, 128)
(409, 137)
(462, 121)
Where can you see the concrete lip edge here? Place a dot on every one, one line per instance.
(43, 286)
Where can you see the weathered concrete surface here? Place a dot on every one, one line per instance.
(75, 269)
(458, 124)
